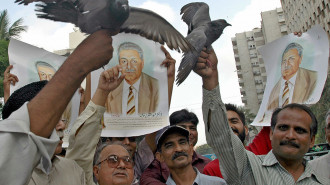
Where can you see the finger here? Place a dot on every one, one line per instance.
(115, 72)
(107, 75)
(204, 54)
(8, 69)
(13, 76)
(201, 60)
(200, 65)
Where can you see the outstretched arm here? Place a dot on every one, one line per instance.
(86, 131)
(47, 107)
(226, 145)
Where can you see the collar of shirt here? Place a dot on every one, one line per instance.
(196, 157)
(197, 180)
(292, 81)
(54, 161)
(126, 86)
(270, 160)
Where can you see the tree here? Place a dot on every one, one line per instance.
(7, 31)
(320, 109)
(204, 149)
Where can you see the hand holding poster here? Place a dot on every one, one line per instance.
(296, 71)
(139, 105)
(32, 64)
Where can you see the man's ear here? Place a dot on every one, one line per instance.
(246, 130)
(96, 172)
(271, 134)
(159, 157)
(312, 142)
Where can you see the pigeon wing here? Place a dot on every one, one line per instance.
(154, 27)
(64, 11)
(197, 38)
(195, 14)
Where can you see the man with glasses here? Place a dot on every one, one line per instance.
(114, 165)
(86, 132)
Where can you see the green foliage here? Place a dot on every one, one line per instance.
(204, 149)
(8, 31)
(320, 109)
(4, 61)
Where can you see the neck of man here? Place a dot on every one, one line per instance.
(183, 176)
(294, 167)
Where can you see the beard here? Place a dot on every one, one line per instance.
(240, 135)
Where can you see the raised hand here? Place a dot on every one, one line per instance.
(8, 79)
(169, 63)
(206, 67)
(109, 80)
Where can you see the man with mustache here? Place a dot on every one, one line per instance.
(293, 130)
(174, 148)
(139, 92)
(158, 172)
(296, 84)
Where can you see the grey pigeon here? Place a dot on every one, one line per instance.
(114, 15)
(202, 32)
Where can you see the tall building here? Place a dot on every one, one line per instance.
(301, 15)
(249, 63)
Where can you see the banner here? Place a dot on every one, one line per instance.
(296, 70)
(139, 105)
(32, 64)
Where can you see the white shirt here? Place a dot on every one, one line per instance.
(291, 83)
(22, 150)
(136, 86)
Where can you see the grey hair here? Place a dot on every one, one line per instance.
(42, 63)
(130, 46)
(293, 45)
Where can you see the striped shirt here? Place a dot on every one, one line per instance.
(239, 166)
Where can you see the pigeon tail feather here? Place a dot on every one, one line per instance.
(186, 66)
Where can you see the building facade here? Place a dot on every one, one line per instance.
(249, 63)
(301, 15)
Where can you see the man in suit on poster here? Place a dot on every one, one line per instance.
(296, 84)
(139, 92)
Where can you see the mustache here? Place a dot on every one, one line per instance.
(130, 70)
(178, 154)
(288, 142)
(235, 130)
(287, 67)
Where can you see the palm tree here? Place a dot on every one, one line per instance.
(13, 31)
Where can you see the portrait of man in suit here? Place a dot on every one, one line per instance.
(46, 72)
(139, 92)
(296, 84)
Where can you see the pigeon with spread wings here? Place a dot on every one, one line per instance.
(114, 15)
(202, 32)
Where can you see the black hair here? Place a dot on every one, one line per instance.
(234, 108)
(183, 116)
(20, 96)
(313, 127)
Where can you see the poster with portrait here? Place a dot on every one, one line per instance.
(139, 105)
(32, 64)
(296, 70)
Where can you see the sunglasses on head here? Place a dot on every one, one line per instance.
(131, 139)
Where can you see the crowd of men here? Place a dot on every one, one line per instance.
(32, 130)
